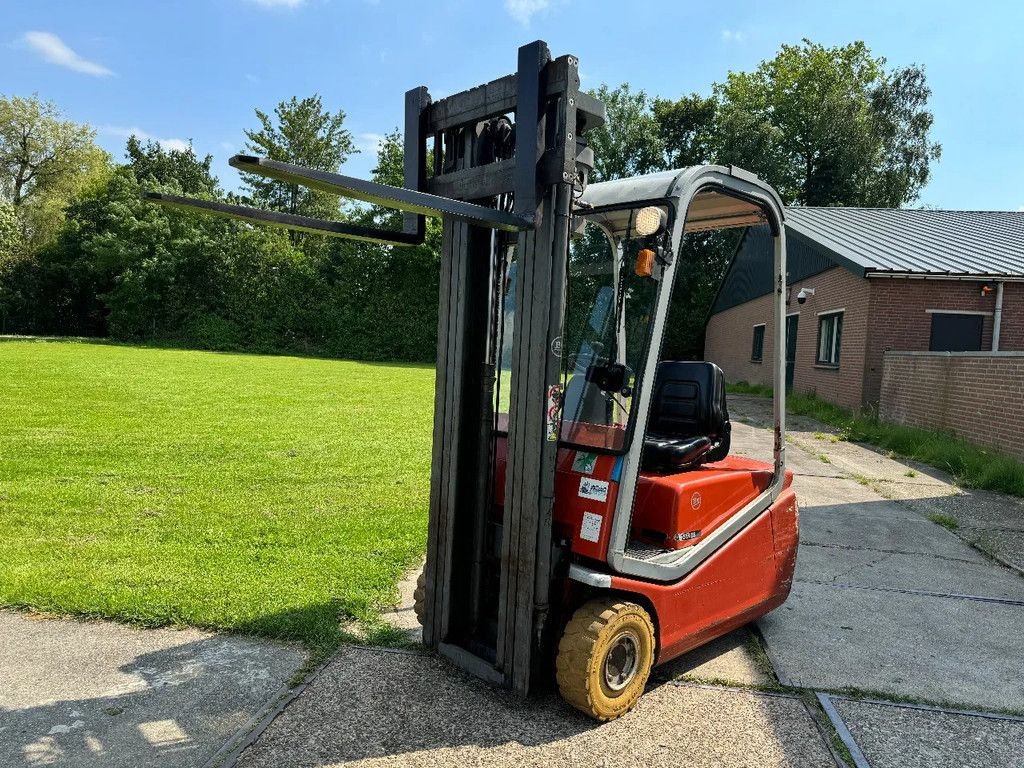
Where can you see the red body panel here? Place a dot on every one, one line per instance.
(746, 578)
(677, 511)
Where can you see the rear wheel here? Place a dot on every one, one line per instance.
(605, 657)
(419, 597)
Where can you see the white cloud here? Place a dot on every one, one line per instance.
(278, 3)
(181, 145)
(54, 50)
(733, 36)
(524, 10)
(1020, 209)
(369, 142)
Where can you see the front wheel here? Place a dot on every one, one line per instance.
(605, 657)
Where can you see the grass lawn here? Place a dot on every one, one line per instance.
(268, 495)
(971, 466)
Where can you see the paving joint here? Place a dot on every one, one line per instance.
(921, 592)
(229, 754)
(842, 731)
(886, 551)
(933, 708)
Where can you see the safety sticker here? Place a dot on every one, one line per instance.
(593, 489)
(554, 411)
(590, 528)
(584, 463)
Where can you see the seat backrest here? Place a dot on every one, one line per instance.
(688, 401)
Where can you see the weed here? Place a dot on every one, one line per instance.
(946, 521)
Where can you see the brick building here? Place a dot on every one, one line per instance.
(874, 280)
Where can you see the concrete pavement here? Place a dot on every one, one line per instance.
(81, 694)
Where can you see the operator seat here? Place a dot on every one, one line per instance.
(689, 422)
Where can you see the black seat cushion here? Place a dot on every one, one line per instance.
(689, 422)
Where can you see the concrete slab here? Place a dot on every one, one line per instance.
(99, 694)
(881, 525)
(402, 615)
(908, 571)
(936, 649)
(728, 659)
(373, 708)
(912, 738)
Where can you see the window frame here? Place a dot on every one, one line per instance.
(756, 344)
(834, 317)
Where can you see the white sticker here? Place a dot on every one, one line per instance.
(593, 489)
(590, 528)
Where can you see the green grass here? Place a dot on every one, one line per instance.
(946, 521)
(267, 495)
(746, 388)
(970, 465)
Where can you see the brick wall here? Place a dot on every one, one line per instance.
(729, 334)
(836, 289)
(899, 320)
(980, 396)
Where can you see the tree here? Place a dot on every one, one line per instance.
(306, 134)
(630, 143)
(687, 129)
(44, 162)
(829, 126)
(152, 164)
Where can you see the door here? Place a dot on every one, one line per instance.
(791, 327)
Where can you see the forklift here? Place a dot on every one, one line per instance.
(587, 520)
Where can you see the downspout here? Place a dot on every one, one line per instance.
(997, 317)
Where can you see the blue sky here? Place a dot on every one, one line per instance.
(195, 69)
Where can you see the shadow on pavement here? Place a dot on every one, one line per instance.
(67, 701)
(373, 707)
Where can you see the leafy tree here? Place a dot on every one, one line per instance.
(11, 244)
(44, 162)
(630, 143)
(687, 129)
(829, 126)
(152, 164)
(306, 134)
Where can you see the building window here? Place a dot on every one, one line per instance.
(956, 332)
(757, 347)
(830, 336)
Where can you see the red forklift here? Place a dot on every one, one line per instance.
(587, 520)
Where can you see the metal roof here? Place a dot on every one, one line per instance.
(926, 242)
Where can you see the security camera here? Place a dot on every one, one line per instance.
(804, 293)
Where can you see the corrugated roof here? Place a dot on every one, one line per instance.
(984, 243)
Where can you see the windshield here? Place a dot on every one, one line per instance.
(611, 292)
